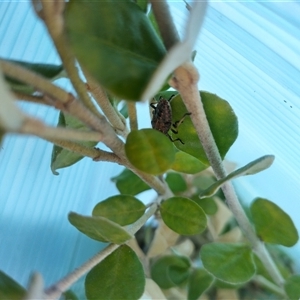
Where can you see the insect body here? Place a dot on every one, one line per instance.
(162, 118)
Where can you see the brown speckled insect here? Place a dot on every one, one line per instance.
(162, 118)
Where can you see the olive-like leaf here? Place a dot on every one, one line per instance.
(10, 289)
(121, 209)
(149, 151)
(199, 281)
(222, 121)
(183, 215)
(62, 158)
(292, 287)
(272, 224)
(119, 276)
(129, 183)
(186, 163)
(176, 182)
(253, 167)
(123, 48)
(207, 204)
(170, 270)
(232, 263)
(51, 72)
(69, 295)
(99, 228)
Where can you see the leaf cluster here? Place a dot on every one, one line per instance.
(194, 247)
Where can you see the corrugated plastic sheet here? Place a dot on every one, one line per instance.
(247, 53)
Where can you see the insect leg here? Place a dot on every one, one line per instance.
(178, 139)
(177, 123)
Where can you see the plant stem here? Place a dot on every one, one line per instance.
(54, 21)
(38, 128)
(94, 153)
(269, 285)
(40, 83)
(132, 115)
(102, 100)
(55, 291)
(165, 23)
(30, 98)
(185, 81)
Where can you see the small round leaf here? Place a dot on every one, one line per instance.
(292, 287)
(199, 282)
(121, 209)
(149, 151)
(123, 48)
(186, 163)
(129, 183)
(170, 270)
(183, 215)
(232, 263)
(176, 182)
(222, 121)
(272, 224)
(119, 276)
(10, 289)
(99, 228)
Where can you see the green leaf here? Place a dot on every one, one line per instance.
(232, 263)
(253, 167)
(129, 183)
(121, 209)
(186, 163)
(183, 215)
(121, 49)
(292, 287)
(51, 72)
(170, 270)
(199, 282)
(99, 228)
(221, 118)
(119, 276)
(69, 295)
(207, 204)
(272, 224)
(62, 158)
(10, 289)
(143, 4)
(176, 182)
(149, 151)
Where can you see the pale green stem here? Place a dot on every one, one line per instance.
(262, 281)
(55, 291)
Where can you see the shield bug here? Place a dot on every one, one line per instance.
(162, 118)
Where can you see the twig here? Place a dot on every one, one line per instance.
(67, 103)
(38, 128)
(54, 291)
(185, 81)
(164, 21)
(30, 98)
(52, 15)
(94, 153)
(101, 98)
(40, 83)
(131, 106)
